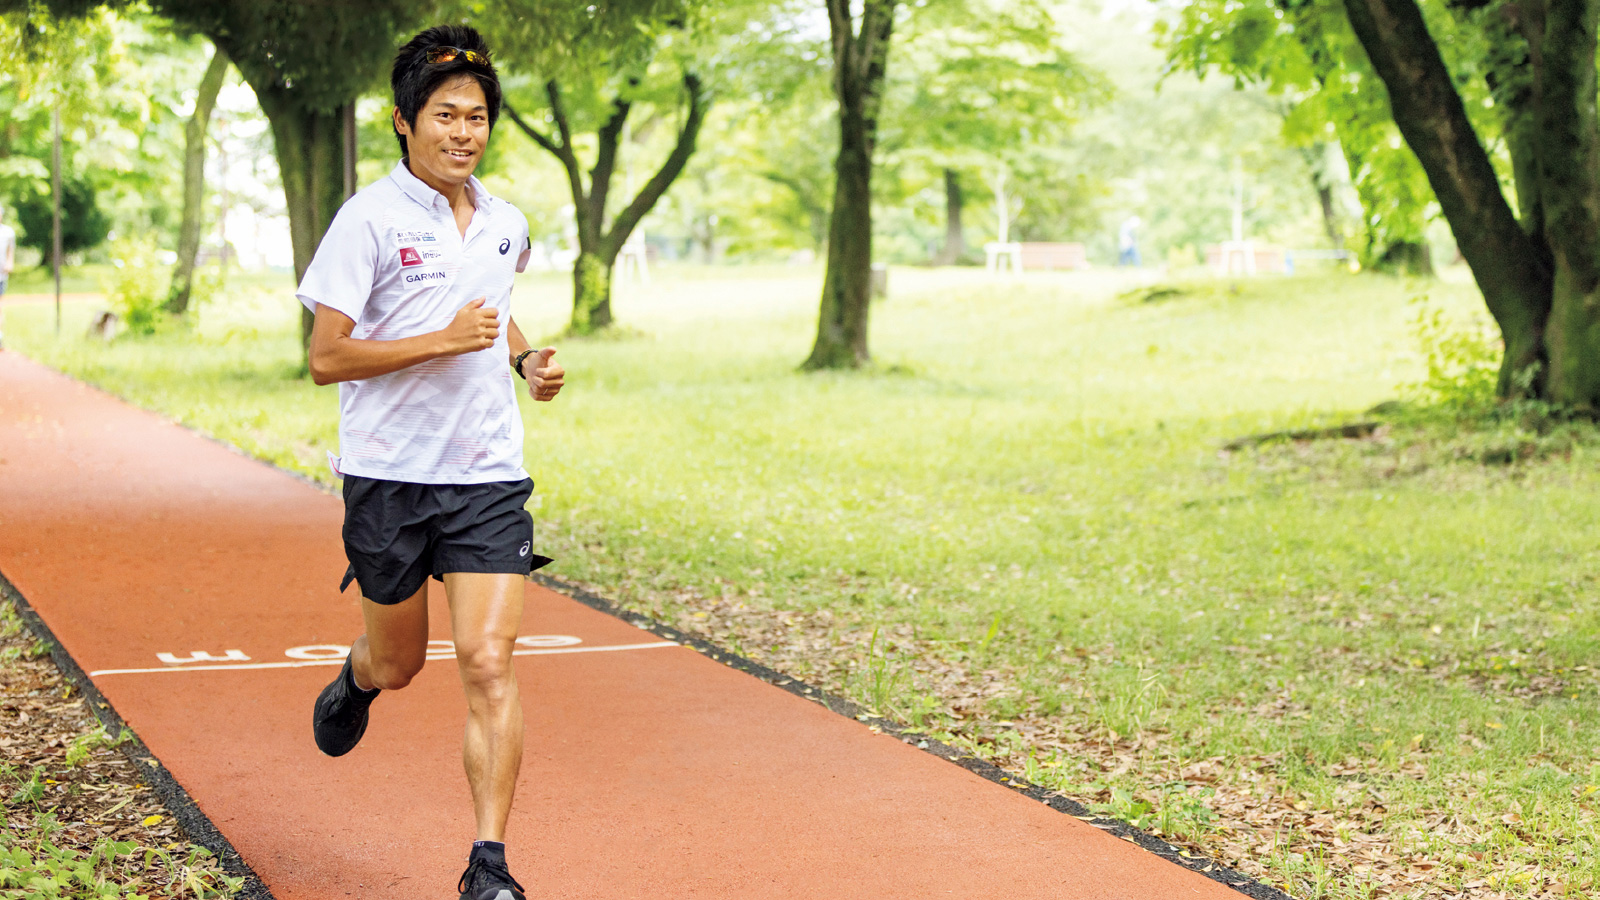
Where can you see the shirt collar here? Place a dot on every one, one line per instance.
(418, 190)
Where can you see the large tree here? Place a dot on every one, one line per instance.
(1540, 274)
(860, 65)
(1536, 260)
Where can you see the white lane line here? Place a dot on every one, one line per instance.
(339, 661)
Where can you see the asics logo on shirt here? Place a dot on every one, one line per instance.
(505, 246)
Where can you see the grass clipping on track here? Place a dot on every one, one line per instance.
(80, 822)
(1351, 668)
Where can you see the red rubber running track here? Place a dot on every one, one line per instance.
(651, 770)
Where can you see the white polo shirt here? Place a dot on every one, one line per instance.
(395, 263)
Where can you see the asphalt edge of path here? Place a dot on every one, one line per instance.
(196, 824)
(984, 769)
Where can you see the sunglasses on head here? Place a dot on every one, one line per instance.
(439, 55)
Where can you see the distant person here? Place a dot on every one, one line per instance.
(8, 261)
(411, 288)
(1128, 242)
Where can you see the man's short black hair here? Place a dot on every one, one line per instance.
(415, 79)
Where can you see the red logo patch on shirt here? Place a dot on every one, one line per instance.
(410, 257)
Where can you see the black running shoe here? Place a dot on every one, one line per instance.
(340, 717)
(487, 878)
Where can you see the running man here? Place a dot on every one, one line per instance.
(411, 287)
(8, 261)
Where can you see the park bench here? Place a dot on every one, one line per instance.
(1043, 255)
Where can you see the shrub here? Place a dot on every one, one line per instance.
(84, 225)
(137, 291)
(1463, 362)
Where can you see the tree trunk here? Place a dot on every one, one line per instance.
(309, 147)
(591, 293)
(1330, 215)
(860, 62)
(1507, 263)
(1316, 157)
(598, 246)
(847, 285)
(955, 244)
(194, 182)
(1569, 150)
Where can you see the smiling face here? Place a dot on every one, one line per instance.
(450, 134)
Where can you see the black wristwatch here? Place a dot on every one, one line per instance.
(517, 363)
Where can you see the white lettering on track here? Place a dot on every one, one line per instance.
(318, 651)
(334, 654)
(172, 659)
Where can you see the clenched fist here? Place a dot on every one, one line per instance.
(474, 328)
(545, 375)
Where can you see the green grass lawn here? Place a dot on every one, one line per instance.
(1029, 492)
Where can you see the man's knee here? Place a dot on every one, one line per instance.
(486, 670)
(393, 673)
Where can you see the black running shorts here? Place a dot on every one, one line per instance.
(397, 533)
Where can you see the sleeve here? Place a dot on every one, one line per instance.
(343, 271)
(527, 247)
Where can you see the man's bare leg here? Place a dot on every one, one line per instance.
(395, 646)
(485, 613)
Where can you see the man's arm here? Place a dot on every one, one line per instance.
(515, 342)
(545, 376)
(336, 356)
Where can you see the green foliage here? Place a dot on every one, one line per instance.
(1462, 361)
(121, 84)
(1456, 404)
(1170, 811)
(880, 680)
(1308, 57)
(314, 56)
(34, 868)
(972, 83)
(84, 745)
(39, 862)
(30, 791)
(83, 224)
(1127, 807)
(576, 42)
(137, 291)
(1168, 148)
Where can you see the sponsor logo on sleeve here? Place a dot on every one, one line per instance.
(410, 257)
(505, 246)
